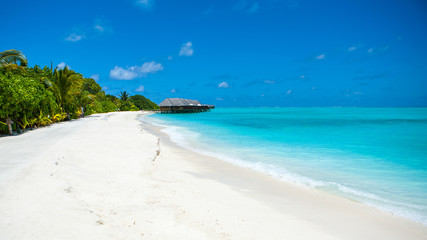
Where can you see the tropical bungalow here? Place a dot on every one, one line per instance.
(179, 105)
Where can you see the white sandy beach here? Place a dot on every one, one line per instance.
(109, 177)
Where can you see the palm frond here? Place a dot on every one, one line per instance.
(12, 57)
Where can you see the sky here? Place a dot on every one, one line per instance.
(237, 53)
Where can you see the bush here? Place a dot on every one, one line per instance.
(108, 106)
(143, 103)
(23, 99)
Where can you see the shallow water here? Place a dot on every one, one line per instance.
(377, 156)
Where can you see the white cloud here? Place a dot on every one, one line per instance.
(145, 4)
(95, 77)
(99, 28)
(62, 65)
(247, 6)
(150, 67)
(320, 57)
(269, 81)
(289, 92)
(352, 48)
(173, 91)
(123, 74)
(74, 37)
(254, 8)
(186, 49)
(220, 99)
(223, 85)
(370, 50)
(170, 57)
(102, 26)
(140, 89)
(130, 73)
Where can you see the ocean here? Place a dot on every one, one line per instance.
(377, 156)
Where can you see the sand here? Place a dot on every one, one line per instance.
(109, 177)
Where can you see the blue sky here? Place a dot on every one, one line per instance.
(233, 53)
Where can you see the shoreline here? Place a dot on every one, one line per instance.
(185, 137)
(274, 191)
(112, 178)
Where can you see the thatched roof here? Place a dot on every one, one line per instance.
(168, 102)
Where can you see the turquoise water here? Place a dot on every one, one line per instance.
(377, 156)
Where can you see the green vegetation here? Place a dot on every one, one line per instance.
(143, 103)
(31, 97)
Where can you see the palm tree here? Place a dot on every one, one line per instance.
(124, 96)
(65, 84)
(84, 99)
(9, 60)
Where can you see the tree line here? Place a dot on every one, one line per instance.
(31, 97)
